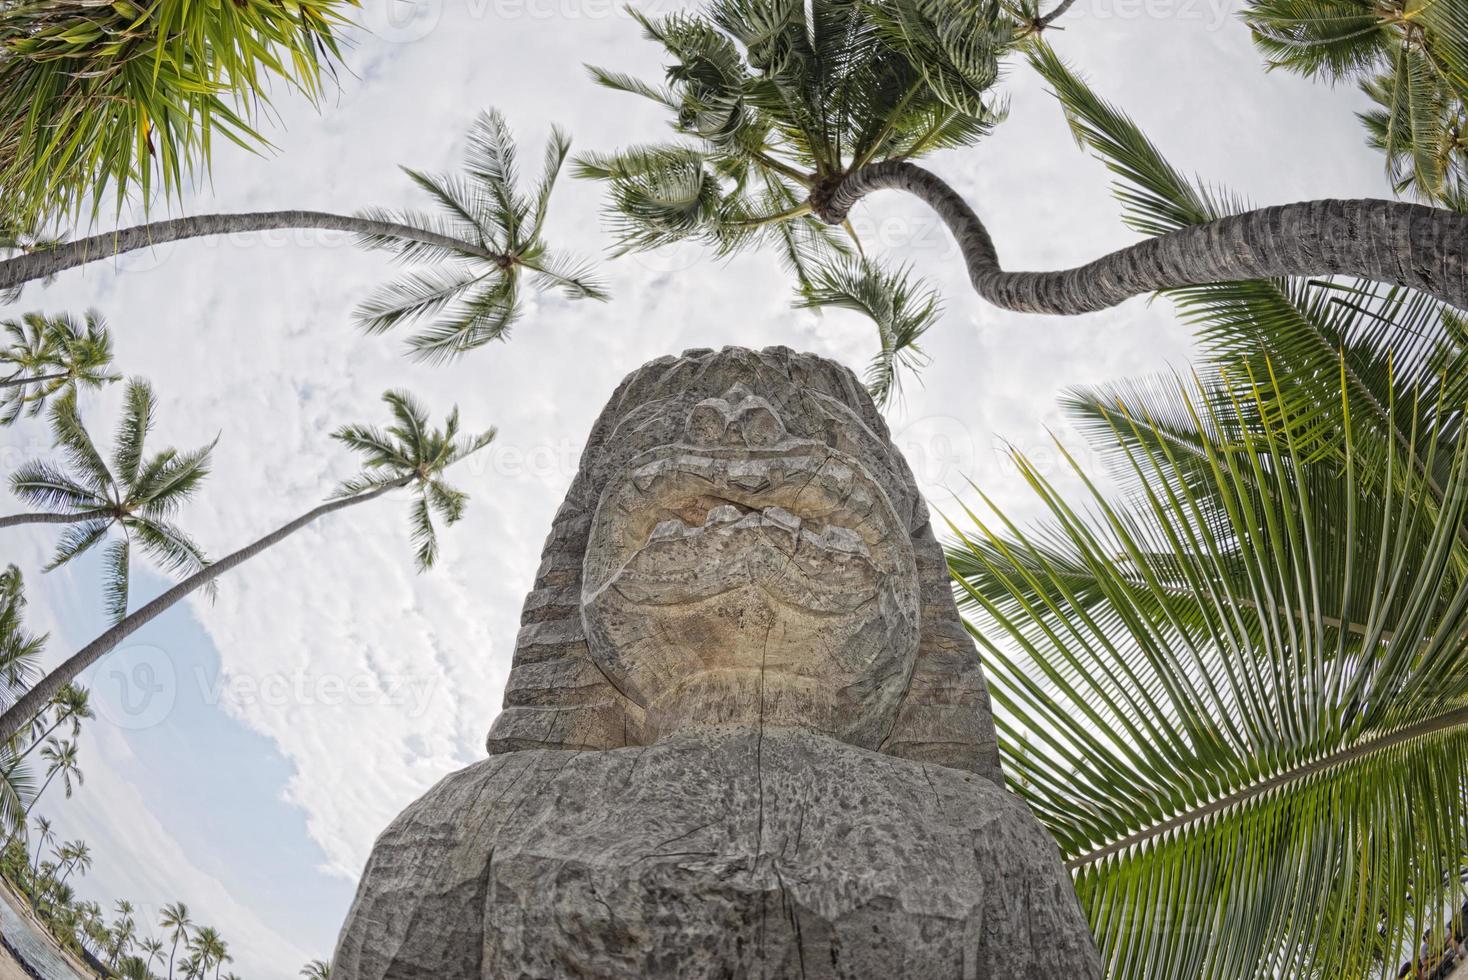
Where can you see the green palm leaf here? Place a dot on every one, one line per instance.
(115, 560)
(1238, 697)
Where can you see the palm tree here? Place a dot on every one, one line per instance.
(486, 240)
(61, 760)
(1236, 695)
(99, 98)
(220, 955)
(1410, 58)
(316, 970)
(175, 920)
(137, 495)
(71, 704)
(124, 931)
(44, 836)
(153, 947)
(19, 649)
(408, 453)
(75, 856)
(208, 949)
(19, 652)
(133, 968)
(791, 113)
(49, 355)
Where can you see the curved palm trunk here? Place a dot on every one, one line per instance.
(1407, 244)
(35, 380)
(171, 954)
(34, 700)
(15, 520)
(50, 260)
(1442, 723)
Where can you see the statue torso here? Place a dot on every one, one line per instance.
(782, 854)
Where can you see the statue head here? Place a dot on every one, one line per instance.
(744, 545)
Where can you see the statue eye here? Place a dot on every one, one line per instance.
(707, 423)
(762, 428)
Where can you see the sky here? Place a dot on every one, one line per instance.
(247, 751)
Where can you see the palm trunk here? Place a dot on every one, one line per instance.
(31, 381)
(171, 953)
(48, 261)
(38, 696)
(1407, 244)
(15, 520)
(1051, 17)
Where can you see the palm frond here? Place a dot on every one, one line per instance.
(76, 443)
(44, 486)
(168, 546)
(77, 539)
(902, 306)
(132, 430)
(1241, 688)
(116, 559)
(576, 279)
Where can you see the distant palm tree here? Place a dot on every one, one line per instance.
(124, 930)
(174, 919)
(317, 970)
(133, 968)
(47, 355)
(75, 856)
(408, 453)
(61, 760)
(220, 955)
(71, 704)
(153, 947)
(136, 495)
(1412, 60)
(488, 237)
(44, 836)
(791, 113)
(208, 949)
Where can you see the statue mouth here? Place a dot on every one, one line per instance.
(802, 523)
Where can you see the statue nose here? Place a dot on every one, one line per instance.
(738, 418)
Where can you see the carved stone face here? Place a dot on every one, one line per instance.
(746, 565)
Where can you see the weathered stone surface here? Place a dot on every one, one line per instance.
(745, 733)
(716, 855)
